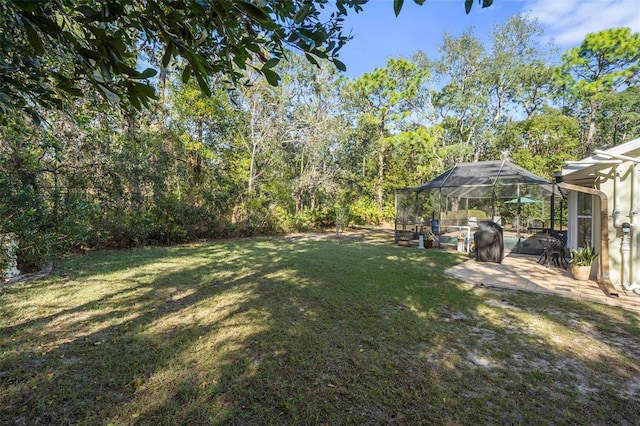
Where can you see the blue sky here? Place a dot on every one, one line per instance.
(379, 35)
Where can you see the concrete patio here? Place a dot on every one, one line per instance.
(523, 272)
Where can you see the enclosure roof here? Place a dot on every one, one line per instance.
(476, 180)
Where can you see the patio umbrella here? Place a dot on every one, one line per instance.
(523, 200)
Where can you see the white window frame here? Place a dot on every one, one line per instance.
(573, 216)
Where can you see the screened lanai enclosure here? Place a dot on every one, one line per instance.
(448, 209)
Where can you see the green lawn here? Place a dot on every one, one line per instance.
(283, 331)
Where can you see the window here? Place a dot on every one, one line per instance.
(584, 231)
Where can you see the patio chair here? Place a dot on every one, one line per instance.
(553, 249)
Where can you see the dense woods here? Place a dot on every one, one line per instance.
(255, 158)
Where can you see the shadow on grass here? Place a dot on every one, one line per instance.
(303, 332)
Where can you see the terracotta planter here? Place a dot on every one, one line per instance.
(581, 273)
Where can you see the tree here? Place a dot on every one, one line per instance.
(619, 118)
(535, 87)
(313, 97)
(543, 142)
(204, 125)
(605, 63)
(42, 217)
(266, 130)
(101, 41)
(464, 99)
(413, 157)
(517, 73)
(385, 97)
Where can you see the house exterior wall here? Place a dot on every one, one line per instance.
(615, 175)
(619, 199)
(606, 184)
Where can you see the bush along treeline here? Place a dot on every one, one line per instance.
(261, 159)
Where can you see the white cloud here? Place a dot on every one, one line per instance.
(569, 21)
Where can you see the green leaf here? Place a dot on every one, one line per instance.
(61, 80)
(108, 94)
(204, 86)
(340, 65)
(272, 77)
(35, 117)
(148, 73)
(319, 53)
(87, 12)
(271, 63)
(304, 42)
(197, 62)
(166, 57)
(133, 98)
(145, 90)
(468, 4)
(74, 91)
(186, 74)
(34, 40)
(311, 59)
(303, 13)
(253, 12)
(121, 68)
(397, 6)
(253, 47)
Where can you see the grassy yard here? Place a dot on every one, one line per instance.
(303, 331)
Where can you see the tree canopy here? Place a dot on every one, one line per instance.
(54, 50)
(605, 63)
(265, 158)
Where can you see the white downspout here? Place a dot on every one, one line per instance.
(634, 286)
(616, 198)
(617, 223)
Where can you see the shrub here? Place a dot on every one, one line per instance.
(462, 216)
(44, 224)
(364, 211)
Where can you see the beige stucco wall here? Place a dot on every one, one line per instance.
(606, 183)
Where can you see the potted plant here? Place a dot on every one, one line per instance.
(429, 238)
(581, 261)
(428, 242)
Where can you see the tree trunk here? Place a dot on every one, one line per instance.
(252, 170)
(162, 84)
(591, 131)
(298, 201)
(381, 152)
